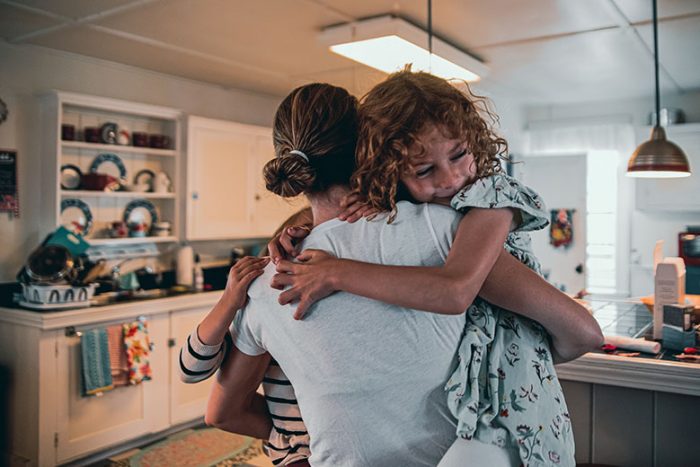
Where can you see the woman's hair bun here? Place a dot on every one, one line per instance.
(289, 175)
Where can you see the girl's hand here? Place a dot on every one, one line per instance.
(286, 244)
(310, 280)
(354, 208)
(239, 278)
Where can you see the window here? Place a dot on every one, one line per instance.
(601, 222)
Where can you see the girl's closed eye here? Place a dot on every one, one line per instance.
(459, 156)
(423, 171)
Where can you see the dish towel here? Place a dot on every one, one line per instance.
(94, 350)
(117, 356)
(138, 348)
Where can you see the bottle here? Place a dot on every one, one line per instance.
(198, 275)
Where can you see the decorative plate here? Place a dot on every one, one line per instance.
(70, 177)
(76, 216)
(109, 132)
(144, 176)
(115, 160)
(140, 211)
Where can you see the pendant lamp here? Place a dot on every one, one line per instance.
(658, 157)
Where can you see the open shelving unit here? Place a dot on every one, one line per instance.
(82, 111)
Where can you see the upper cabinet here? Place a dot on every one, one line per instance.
(226, 196)
(110, 168)
(674, 194)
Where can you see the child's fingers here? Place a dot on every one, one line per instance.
(252, 266)
(274, 250)
(348, 200)
(301, 310)
(299, 231)
(248, 278)
(280, 281)
(350, 211)
(287, 244)
(287, 266)
(289, 296)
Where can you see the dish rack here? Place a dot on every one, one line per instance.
(56, 297)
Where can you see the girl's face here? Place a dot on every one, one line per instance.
(438, 172)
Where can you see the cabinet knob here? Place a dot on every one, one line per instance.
(171, 342)
(195, 195)
(257, 197)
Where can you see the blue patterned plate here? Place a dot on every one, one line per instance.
(109, 157)
(141, 211)
(76, 216)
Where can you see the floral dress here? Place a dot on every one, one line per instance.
(505, 390)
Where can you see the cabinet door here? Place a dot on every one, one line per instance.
(88, 424)
(269, 209)
(187, 401)
(218, 182)
(675, 194)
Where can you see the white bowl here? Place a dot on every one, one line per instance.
(58, 293)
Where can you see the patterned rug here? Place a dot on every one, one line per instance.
(198, 447)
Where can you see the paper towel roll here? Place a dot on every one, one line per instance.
(640, 345)
(185, 266)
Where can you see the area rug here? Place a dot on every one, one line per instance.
(199, 447)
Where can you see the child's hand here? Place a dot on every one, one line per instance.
(239, 278)
(310, 280)
(354, 208)
(286, 244)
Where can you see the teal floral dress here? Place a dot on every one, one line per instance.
(505, 390)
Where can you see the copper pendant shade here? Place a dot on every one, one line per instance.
(658, 157)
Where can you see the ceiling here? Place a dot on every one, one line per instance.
(539, 51)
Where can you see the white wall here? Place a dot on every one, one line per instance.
(27, 71)
(645, 227)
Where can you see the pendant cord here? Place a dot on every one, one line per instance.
(656, 66)
(430, 34)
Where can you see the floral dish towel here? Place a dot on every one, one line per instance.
(138, 347)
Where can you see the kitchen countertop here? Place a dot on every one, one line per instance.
(628, 318)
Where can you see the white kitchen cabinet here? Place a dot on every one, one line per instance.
(226, 195)
(86, 424)
(187, 401)
(52, 422)
(675, 194)
(105, 207)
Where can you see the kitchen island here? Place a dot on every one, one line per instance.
(624, 410)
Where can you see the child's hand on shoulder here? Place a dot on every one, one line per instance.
(286, 244)
(239, 279)
(309, 280)
(355, 207)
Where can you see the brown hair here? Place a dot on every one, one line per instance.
(395, 112)
(319, 120)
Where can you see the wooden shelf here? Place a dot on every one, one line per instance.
(130, 240)
(119, 149)
(115, 194)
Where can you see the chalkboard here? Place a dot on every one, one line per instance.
(9, 201)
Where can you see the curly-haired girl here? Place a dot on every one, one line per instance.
(423, 139)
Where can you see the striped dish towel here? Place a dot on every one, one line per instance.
(117, 355)
(94, 350)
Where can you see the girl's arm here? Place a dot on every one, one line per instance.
(447, 289)
(204, 350)
(234, 404)
(572, 328)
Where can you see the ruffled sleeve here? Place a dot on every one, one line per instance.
(502, 191)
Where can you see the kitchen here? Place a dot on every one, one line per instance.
(572, 82)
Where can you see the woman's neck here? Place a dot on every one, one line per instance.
(326, 206)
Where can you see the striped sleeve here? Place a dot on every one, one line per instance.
(199, 361)
(289, 439)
